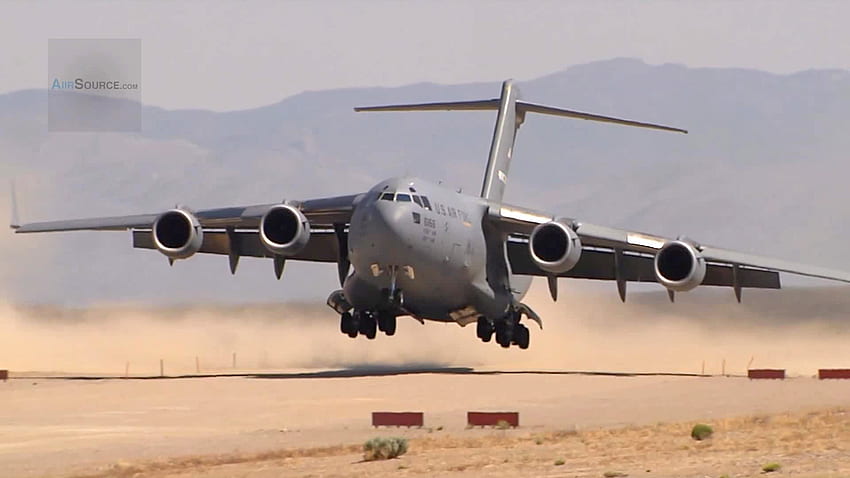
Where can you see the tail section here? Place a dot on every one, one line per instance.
(502, 147)
(14, 217)
(511, 114)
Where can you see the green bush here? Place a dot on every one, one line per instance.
(771, 467)
(559, 462)
(701, 431)
(382, 448)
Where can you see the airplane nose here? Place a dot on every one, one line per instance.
(387, 236)
(393, 220)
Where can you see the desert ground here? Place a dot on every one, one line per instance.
(279, 426)
(276, 390)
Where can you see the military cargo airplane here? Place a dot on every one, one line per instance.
(422, 250)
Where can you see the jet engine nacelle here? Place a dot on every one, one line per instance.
(177, 234)
(284, 230)
(679, 266)
(555, 247)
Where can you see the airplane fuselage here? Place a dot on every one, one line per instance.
(427, 241)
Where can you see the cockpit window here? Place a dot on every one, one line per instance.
(426, 203)
(387, 197)
(401, 197)
(417, 200)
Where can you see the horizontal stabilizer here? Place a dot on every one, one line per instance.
(479, 105)
(521, 108)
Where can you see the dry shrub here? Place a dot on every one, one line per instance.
(382, 448)
(503, 425)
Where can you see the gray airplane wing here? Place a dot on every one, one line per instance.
(616, 254)
(232, 231)
(322, 211)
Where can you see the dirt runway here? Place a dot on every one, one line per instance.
(273, 420)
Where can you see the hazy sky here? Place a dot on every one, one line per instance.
(233, 55)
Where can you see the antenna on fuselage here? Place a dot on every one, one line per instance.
(511, 115)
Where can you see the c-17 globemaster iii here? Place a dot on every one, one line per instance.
(420, 249)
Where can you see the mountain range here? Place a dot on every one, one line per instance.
(763, 169)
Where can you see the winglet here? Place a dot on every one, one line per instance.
(15, 222)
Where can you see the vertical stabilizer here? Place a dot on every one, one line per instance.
(502, 147)
(15, 219)
(511, 115)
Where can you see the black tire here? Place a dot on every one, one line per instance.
(368, 325)
(346, 323)
(356, 320)
(504, 334)
(389, 325)
(372, 331)
(522, 336)
(382, 321)
(484, 329)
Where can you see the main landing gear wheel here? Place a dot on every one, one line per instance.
(485, 329)
(508, 331)
(521, 336)
(368, 325)
(387, 323)
(348, 325)
(504, 334)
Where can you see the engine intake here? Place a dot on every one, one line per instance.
(679, 266)
(177, 234)
(554, 246)
(284, 230)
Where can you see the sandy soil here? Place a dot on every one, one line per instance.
(813, 444)
(59, 427)
(270, 420)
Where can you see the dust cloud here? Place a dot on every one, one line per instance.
(588, 329)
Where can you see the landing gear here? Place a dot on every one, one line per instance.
(368, 326)
(485, 329)
(348, 325)
(367, 323)
(504, 334)
(521, 336)
(386, 323)
(508, 331)
(392, 299)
